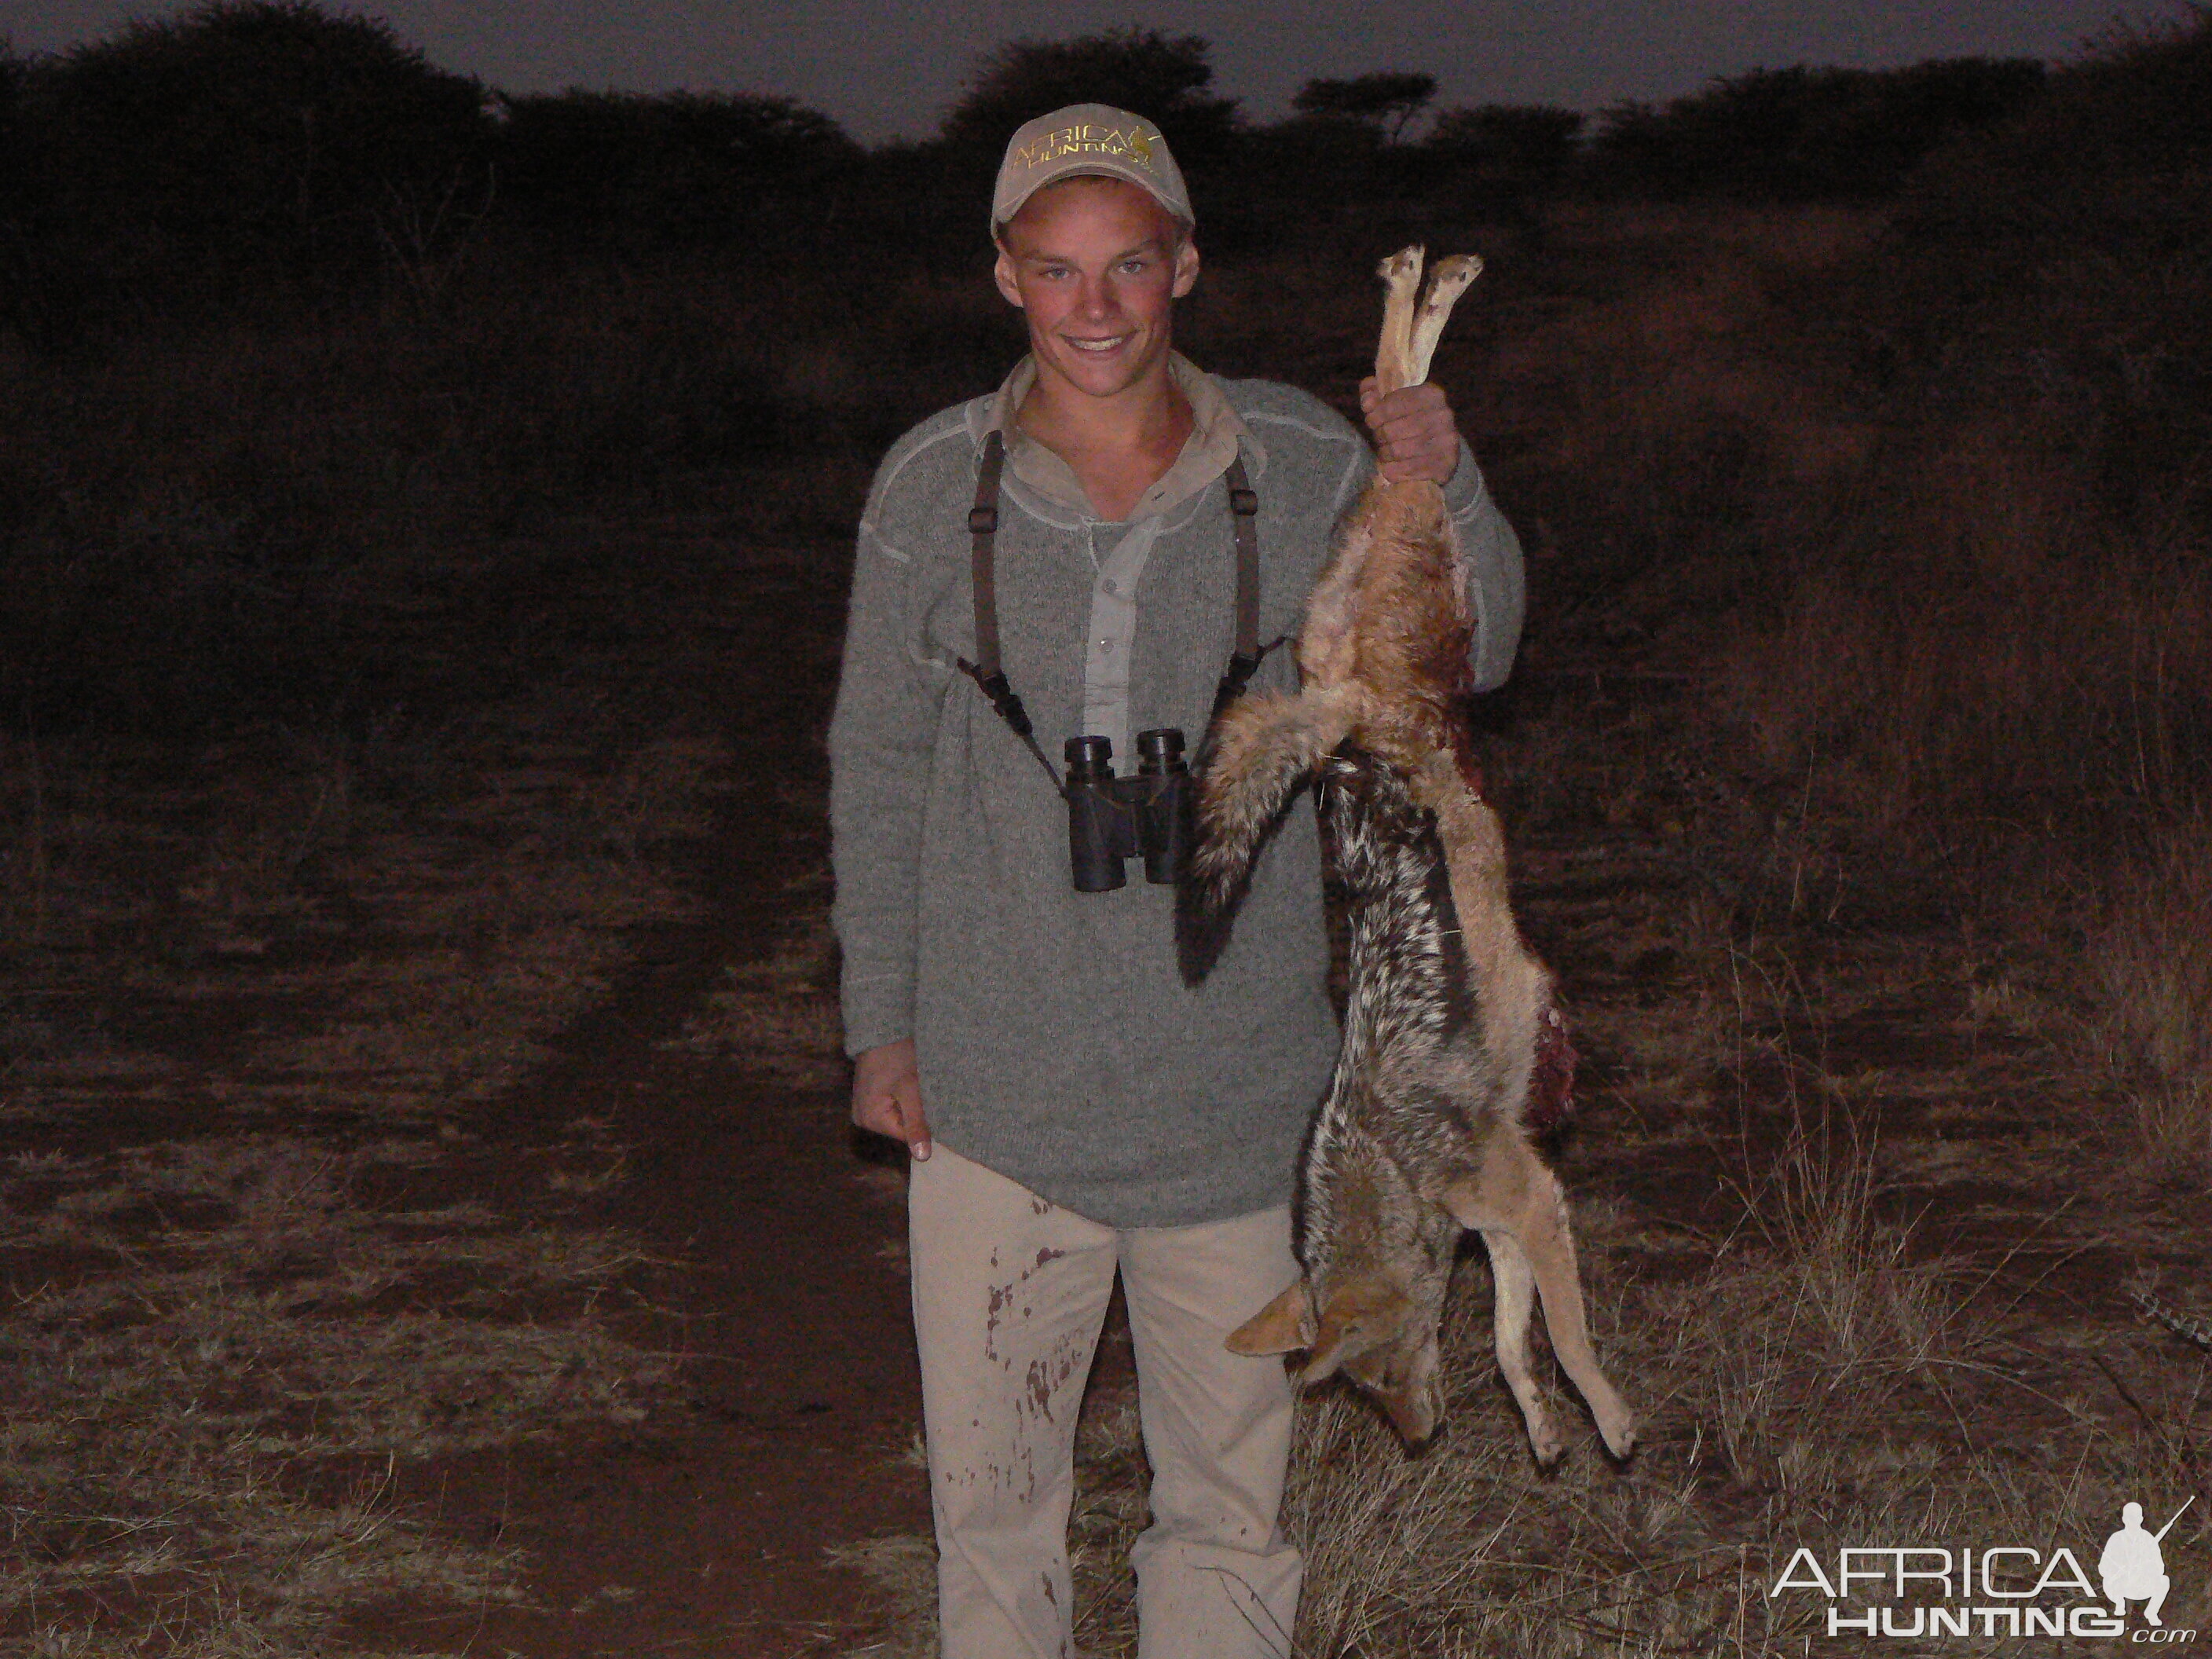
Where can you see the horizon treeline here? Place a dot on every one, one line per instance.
(295, 327)
(246, 153)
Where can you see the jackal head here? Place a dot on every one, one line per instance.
(1372, 1308)
(1369, 1329)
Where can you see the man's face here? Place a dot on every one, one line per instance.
(1095, 263)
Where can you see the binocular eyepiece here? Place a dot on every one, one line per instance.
(1110, 820)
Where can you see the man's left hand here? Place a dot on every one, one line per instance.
(1415, 434)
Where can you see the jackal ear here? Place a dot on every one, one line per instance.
(1341, 1338)
(1363, 1313)
(1286, 1323)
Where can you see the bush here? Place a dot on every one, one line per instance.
(681, 170)
(1166, 79)
(260, 141)
(1803, 134)
(1527, 141)
(1378, 101)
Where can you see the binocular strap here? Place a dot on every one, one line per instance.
(989, 670)
(986, 670)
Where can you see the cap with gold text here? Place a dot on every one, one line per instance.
(1089, 140)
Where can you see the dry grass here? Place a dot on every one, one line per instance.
(1814, 1368)
(1962, 627)
(779, 1013)
(345, 766)
(901, 1569)
(285, 972)
(1813, 1372)
(498, 871)
(1993, 642)
(2151, 960)
(229, 1347)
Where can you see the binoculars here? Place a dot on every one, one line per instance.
(1112, 819)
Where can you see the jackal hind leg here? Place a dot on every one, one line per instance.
(1515, 1283)
(1448, 279)
(1401, 283)
(1328, 653)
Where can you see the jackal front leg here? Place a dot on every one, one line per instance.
(1513, 1193)
(1515, 1288)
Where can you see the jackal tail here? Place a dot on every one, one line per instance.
(1259, 752)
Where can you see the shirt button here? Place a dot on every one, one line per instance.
(1108, 587)
(1105, 645)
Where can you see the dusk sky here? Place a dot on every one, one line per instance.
(888, 72)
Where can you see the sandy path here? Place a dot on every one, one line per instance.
(327, 1155)
(705, 1532)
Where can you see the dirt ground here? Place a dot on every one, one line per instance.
(573, 992)
(772, 1231)
(520, 1037)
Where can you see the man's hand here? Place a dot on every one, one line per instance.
(887, 1097)
(1415, 435)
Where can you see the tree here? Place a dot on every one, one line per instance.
(1162, 77)
(1384, 99)
(14, 153)
(674, 167)
(1801, 134)
(250, 130)
(1531, 143)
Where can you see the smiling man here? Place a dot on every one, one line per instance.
(1073, 1110)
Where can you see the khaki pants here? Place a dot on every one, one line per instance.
(1009, 1294)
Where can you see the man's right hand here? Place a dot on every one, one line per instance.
(887, 1096)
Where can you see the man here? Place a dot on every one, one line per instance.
(1071, 1108)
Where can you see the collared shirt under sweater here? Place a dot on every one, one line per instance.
(1057, 1043)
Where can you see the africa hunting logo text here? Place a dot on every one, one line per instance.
(2008, 1590)
(1090, 138)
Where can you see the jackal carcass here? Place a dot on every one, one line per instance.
(1449, 1031)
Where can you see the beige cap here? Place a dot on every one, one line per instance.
(1089, 140)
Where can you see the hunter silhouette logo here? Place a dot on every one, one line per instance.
(2132, 1567)
(2010, 1590)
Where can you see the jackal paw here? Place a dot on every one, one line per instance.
(1545, 1439)
(1618, 1426)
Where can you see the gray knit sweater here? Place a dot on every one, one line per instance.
(1057, 1044)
